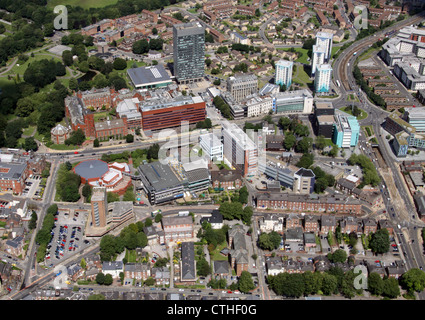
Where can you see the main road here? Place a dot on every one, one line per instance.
(406, 222)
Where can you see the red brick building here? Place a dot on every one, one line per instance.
(172, 114)
(302, 203)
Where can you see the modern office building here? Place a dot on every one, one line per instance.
(323, 77)
(212, 146)
(304, 181)
(318, 58)
(162, 110)
(239, 149)
(242, 85)
(416, 118)
(323, 109)
(284, 175)
(189, 52)
(99, 207)
(283, 74)
(405, 135)
(160, 183)
(325, 39)
(299, 101)
(346, 131)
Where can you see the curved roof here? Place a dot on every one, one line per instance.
(59, 130)
(90, 169)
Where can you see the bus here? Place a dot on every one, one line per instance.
(12, 150)
(337, 82)
(154, 213)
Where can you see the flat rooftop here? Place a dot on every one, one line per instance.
(148, 75)
(160, 176)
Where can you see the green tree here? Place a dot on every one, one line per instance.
(108, 280)
(338, 256)
(96, 143)
(375, 284)
(246, 216)
(245, 282)
(289, 140)
(141, 46)
(329, 284)
(243, 195)
(86, 191)
(30, 144)
(413, 280)
(203, 268)
(320, 142)
(119, 64)
(304, 145)
(312, 282)
(67, 58)
(380, 242)
(100, 278)
(391, 288)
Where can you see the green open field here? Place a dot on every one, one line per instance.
(300, 76)
(362, 116)
(20, 69)
(85, 4)
(302, 55)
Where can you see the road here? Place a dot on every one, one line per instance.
(400, 209)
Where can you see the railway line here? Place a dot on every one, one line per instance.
(370, 40)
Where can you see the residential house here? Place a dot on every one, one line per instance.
(178, 228)
(226, 179)
(310, 241)
(395, 270)
(15, 246)
(294, 235)
(75, 272)
(386, 224)
(349, 224)
(293, 221)
(161, 276)
(321, 264)
(311, 224)
(369, 226)
(136, 271)
(274, 265)
(221, 268)
(114, 268)
(216, 220)
(327, 223)
(271, 222)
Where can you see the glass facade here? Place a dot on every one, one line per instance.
(189, 51)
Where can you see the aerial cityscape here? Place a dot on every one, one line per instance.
(224, 150)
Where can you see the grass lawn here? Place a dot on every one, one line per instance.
(100, 115)
(29, 131)
(22, 67)
(131, 255)
(369, 53)
(368, 130)
(362, 116)
(301, 77)
(302, 55)
(62, 147)
(85, 4)
(215, 255)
